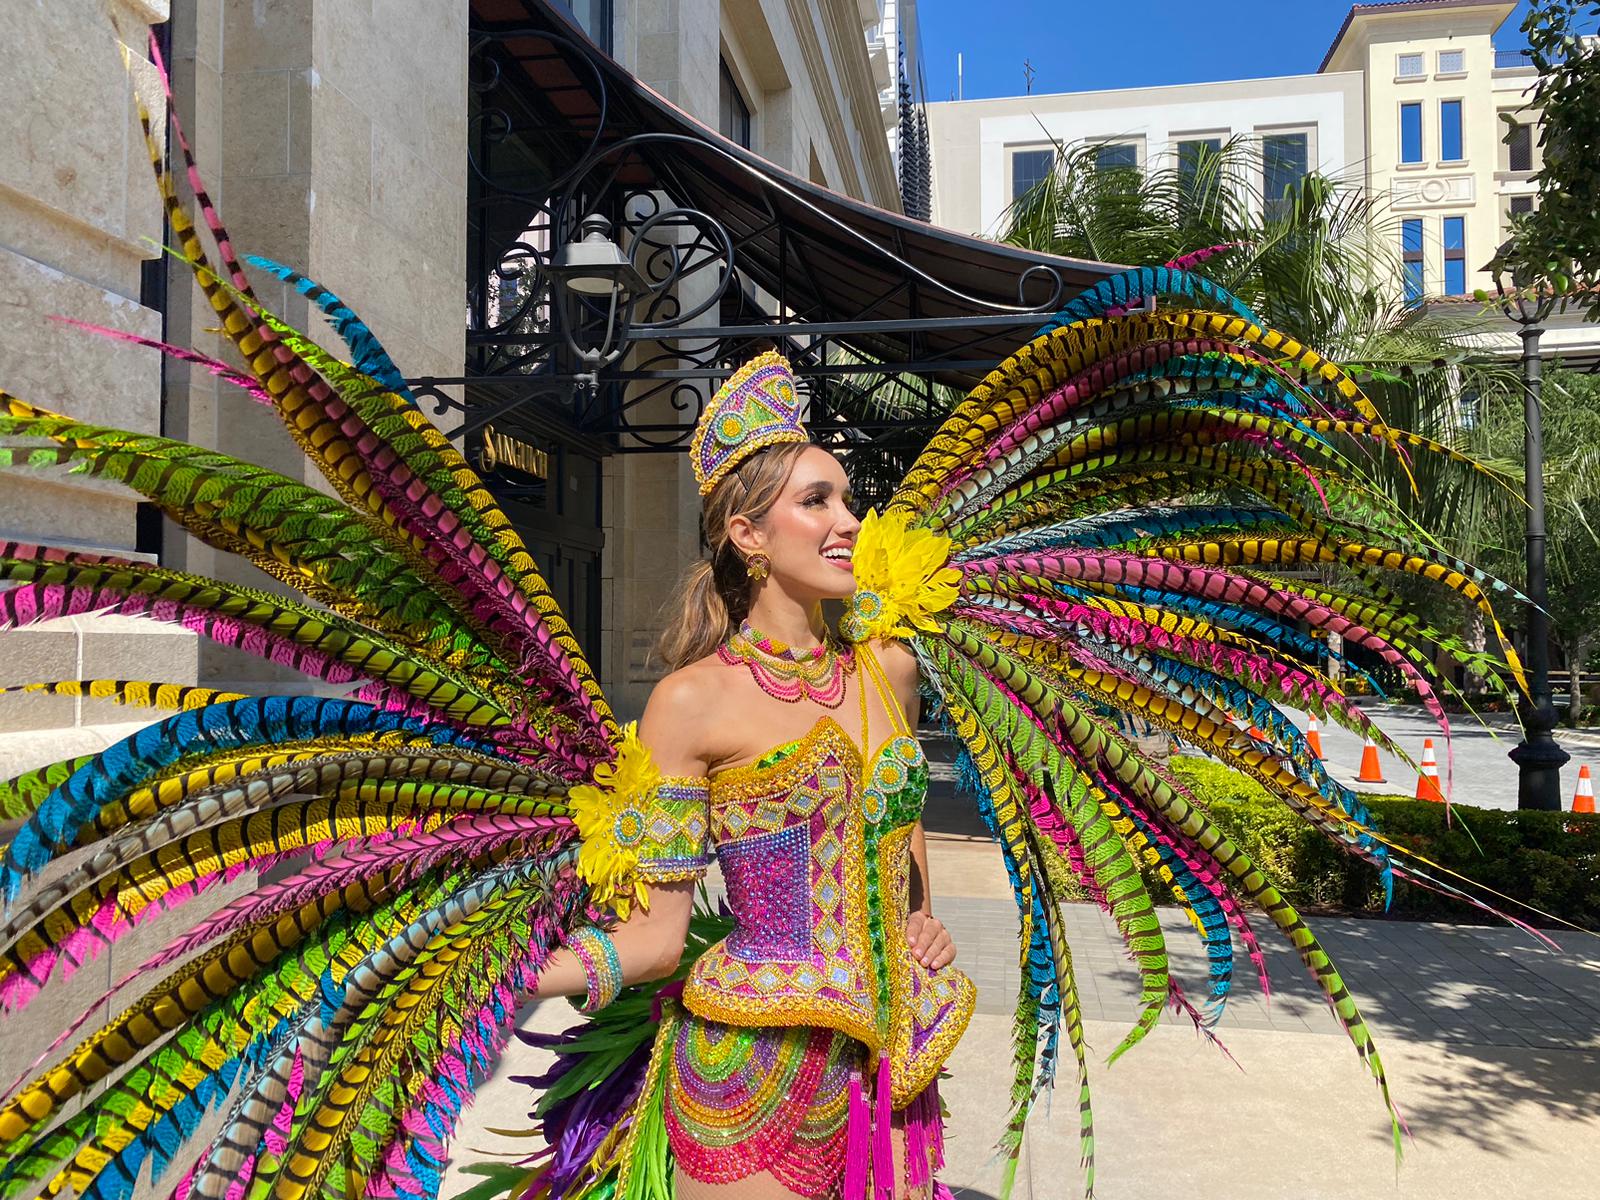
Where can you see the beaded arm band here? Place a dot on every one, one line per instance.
(638, 826)
(593, 948)
(676, 824)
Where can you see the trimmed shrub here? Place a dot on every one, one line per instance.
(1550, 861)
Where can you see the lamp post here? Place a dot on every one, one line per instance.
(1539, 760)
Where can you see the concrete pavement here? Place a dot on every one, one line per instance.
(1491, 1044)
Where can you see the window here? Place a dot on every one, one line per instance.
(1111, 156)
(1452, 62)
(732, 111)
(1284, 164)
(1450, 131)
(1411, 258)
(594, 18)
(1520, 144)
(1408, 66)
(1193, 151)
(1455, 256)
(1516, 206)
(1029, 168)
(1411, 133)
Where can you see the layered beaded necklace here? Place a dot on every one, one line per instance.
(787, 674)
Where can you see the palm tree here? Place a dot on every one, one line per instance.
(1319, 262)
(1571, 419)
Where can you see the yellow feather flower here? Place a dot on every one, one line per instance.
(610, 815)
(902, 579)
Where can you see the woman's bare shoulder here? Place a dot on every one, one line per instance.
(684, 713)
(691, 686)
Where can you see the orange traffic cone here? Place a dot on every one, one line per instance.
(1314, 738)
(1583, 798)
(1428, 774)
(1371, 771)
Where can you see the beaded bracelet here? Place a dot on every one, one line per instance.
(594, 949)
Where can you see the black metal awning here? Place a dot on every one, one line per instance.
(828, 259)
(874, 308)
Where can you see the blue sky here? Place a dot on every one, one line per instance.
(1084, 45)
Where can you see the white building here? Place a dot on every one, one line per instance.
(988, 152)
(1436, 88)
(1411, 101)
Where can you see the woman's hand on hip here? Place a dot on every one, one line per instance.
(930, 941)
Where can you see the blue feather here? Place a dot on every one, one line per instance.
(256, 720)
(1134, 286)
(366, 351)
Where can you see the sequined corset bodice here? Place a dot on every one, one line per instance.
(816, 855)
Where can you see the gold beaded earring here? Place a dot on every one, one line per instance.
(757, 566)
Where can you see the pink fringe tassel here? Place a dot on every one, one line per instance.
(882, 1146)
(924, 1138)
(857, 1137)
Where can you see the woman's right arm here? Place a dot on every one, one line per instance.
(650, 942)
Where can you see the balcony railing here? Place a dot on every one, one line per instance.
(1510, 60)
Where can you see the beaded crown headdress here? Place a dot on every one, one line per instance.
(757, 407)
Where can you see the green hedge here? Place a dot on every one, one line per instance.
(1548, 860)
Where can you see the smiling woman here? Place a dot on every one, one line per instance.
(835, 982)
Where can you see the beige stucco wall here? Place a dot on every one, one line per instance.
(1433, 189)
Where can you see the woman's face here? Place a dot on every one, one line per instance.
(810, 532)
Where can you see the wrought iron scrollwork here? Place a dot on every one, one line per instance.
(635, 368)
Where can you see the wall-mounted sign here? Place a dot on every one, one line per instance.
(502, 450)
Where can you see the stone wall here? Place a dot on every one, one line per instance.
(79, 220)
(332, 134)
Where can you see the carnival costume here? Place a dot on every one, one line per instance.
(1110, 523)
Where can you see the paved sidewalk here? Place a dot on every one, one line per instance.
(1491, 1043)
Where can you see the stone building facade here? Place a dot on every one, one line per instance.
(333, 135)
(80, 225)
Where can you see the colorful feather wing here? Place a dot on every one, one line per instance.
(1131, 502)
(422, 846)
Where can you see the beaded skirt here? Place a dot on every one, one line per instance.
(742, 1100)
(786, 1100)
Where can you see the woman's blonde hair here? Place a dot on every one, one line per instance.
(715, 594)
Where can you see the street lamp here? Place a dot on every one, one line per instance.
(1539, 760)
(592, 267)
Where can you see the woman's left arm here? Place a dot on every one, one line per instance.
(925, 933)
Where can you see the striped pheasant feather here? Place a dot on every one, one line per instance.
(1133, 501)
(413, 808)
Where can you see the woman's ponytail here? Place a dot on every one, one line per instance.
(715, 594)
(700, 619)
